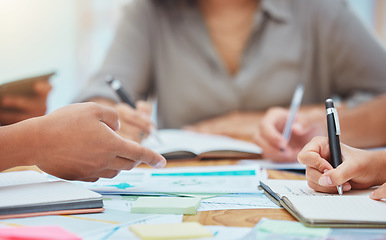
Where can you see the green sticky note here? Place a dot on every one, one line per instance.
(166, 205)
(183, 230)
(291, 228)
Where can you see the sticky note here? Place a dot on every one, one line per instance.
(289, 228)
(183, 230)
(166, 205)
(37, 233)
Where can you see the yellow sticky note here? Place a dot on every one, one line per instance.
(183, 230)
(166, 205)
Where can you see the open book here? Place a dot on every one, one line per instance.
(353, 209)
(29, 193)
(177, 144)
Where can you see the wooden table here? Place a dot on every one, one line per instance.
(236, 217)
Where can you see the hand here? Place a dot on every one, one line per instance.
(15, 108)
(360, 169)
(308, 123)
(135, 123)
(79, 142)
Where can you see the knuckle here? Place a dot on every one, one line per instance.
(98, 165)
(138, 155)
(302, 156)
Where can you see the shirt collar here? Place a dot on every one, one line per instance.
(276, 9)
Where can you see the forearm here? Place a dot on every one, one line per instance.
(19, 144)
(364, 126)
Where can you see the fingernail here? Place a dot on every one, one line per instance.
(161, 164)
(372, 195)
(325, 181)
(119, 125)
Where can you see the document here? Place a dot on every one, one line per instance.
(204, 180)
(29, 193)
(177, 144)
(314, 209)
(237, 201)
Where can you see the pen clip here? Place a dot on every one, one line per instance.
(336, 119)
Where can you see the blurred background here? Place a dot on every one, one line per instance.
(71, 37)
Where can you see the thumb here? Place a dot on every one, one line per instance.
(42, 87)
(144, 107)
(335, 177)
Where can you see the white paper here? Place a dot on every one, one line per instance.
(236, 201)
(213, 179)
(354, 205)
(21, 177)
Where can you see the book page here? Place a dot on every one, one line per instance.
(180, 140)
(354, 205)
(21, 177)
(290, 188)
(340, 208)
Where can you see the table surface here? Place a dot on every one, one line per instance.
(236, 217)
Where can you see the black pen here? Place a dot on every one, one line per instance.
(116, 85)
(333, 129)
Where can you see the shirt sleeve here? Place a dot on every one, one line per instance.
(129, 56)
(357, 60)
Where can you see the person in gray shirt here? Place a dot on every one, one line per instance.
(220, 65)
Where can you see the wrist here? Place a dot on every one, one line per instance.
(378, 162)
(19, 144)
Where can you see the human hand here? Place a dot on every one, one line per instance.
(135, 123)
(15, 108)
(307, 124)
(78, 142)
(360, 169)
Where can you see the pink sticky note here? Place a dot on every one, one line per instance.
(37, 233)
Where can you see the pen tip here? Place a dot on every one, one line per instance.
(340, 189)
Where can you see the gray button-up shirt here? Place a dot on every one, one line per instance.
(169, 53)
